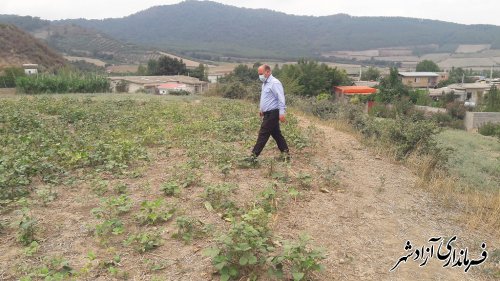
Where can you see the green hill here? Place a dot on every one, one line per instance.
(204, 30)
(204, 26)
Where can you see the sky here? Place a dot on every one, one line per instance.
(458, 11)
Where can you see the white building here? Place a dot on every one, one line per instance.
(30, 68)
(151, 83)
(167, 88)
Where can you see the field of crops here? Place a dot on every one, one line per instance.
(94, 187)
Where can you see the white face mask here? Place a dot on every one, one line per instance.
(262, 78)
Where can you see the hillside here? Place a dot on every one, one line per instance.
(209, 27)
(18, 47)
(137, 187)
(75, 40)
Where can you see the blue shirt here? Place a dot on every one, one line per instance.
(272, 95)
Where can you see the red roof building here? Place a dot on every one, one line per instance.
(342, 91)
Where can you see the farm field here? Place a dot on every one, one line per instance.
(141, 187)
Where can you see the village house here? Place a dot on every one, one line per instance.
(343, 93)
(151, 83)
(419, 79)
(30, 68)
(167, 88)
(471, 93)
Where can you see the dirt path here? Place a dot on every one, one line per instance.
(364, 224)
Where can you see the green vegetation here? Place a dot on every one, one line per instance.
(490, 129)
(475, 159)
(166, 65)
(300, 258)
(154, 212)
(371, 74)
(456, 75)
(491, 102)
(219, 29)
(64, 83)
(10, 74)
(427, 66)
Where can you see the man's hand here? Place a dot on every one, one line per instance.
(282, 118)
(261, 114)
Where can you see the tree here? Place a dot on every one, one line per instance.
(391, 88)
(244, 74)
(142, 70)
(492, 100)
(200, 72)
(170, 66)
(166, 66)
(312, 77)
(456, 75)
(152, 68)
(427, 66)
(371, 74)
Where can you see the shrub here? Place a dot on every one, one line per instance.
(153, 212)
(456, 110)
(409, 136)
(217, 195)
(442, 119)
(144, 241)
(299, 258)
(490, 129)
(234, 90)
(27, 228)
(180, 93)
(122, 87)
(189, 228)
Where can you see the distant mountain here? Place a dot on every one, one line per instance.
(210, 27)
(18, 47)
(78, 41)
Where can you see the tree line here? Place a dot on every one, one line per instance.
(166, 65)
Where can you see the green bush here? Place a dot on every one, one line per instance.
(8, 79)
(456, 110)
(407, 136)
(490, 129)
(180, 93)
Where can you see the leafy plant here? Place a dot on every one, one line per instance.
(27, 228)
(32, 249)
(298, 258)
(46, 195)
(56, 268)
(189, 228)
(154, 212)
(244, 249)
(113, 206)
(217, 195)
(171, 188)
(110, 226)
(145, 241)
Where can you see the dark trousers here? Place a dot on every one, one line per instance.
(270, 127)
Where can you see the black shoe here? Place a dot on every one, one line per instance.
(284, 157)
(249, 162)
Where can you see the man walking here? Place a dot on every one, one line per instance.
(272, 111)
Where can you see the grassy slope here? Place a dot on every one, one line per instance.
(475, 159)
